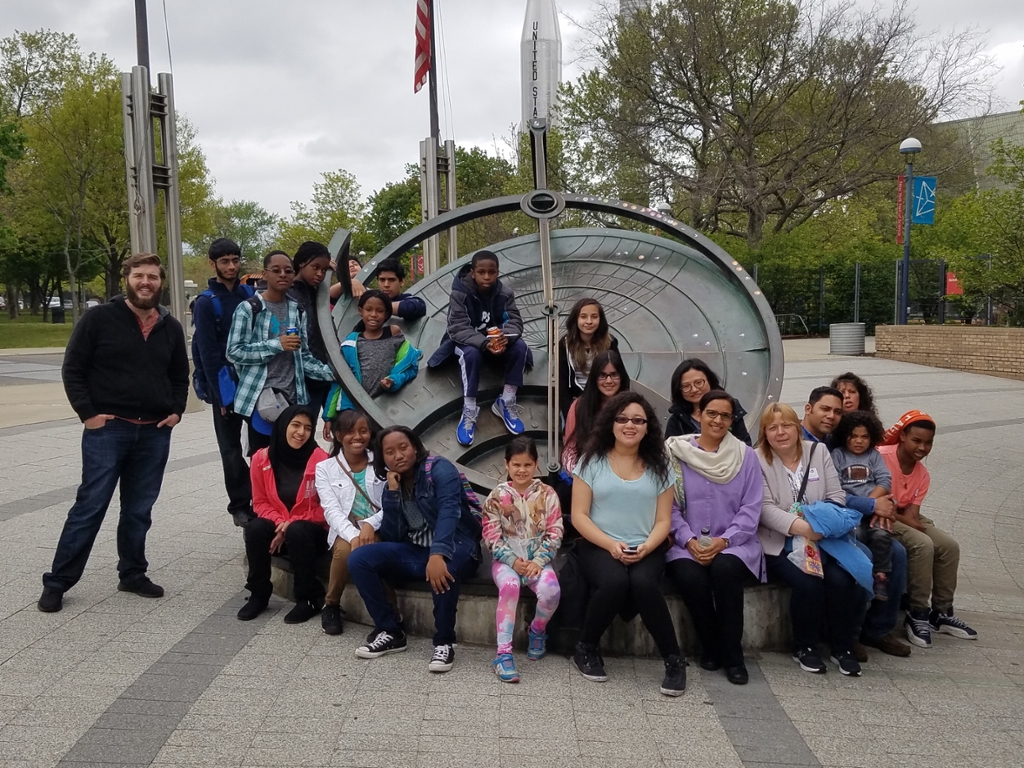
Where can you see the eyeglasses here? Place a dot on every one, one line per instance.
(280, 271)
(695, 386)
(608, 377)
(716, 415)
(636, 420)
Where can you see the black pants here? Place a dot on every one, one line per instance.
(879, 541)
(615, 587)
(838, 597)
(228, 428)
(317, 391)
(714, 596)
(304, 543)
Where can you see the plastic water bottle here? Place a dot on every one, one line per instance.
(705, 538)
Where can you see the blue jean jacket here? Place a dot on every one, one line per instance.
(440, 500)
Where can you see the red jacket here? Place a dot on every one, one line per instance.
(265, 501)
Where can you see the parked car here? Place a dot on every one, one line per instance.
(54, 302)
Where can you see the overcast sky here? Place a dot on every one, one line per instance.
(280, 91)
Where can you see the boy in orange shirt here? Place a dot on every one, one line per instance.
(933, 556)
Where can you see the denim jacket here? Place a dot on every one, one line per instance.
(441, 503)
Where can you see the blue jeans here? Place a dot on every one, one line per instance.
(883, 615)
(398, 562)
(135, 455)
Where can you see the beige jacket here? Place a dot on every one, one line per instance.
(822, 485)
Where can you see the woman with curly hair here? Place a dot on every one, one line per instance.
(857, 395)
(862, 472)
(622, 509)
(691, 380)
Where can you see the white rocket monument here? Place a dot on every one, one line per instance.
(541, 60)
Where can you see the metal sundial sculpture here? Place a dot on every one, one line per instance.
(666, 299)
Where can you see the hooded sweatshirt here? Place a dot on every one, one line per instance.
(471, 313)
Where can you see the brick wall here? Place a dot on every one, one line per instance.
(993, 351)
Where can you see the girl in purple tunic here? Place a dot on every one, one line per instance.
(715, 515)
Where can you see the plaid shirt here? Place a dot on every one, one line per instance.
(252, 344)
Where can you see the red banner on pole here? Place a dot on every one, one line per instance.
(953, 287)
(901, 201)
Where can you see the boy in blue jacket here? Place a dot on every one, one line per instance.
(484, 327)
(379, 355)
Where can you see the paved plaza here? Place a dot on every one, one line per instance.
(115, 679)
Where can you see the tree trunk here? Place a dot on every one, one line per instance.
(12, 301)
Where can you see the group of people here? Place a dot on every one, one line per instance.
(827, 503)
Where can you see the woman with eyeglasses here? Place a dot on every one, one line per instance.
(622, 508)
(715, 551)
(691, 380)
(606, 379)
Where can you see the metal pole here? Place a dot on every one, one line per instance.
(896, 297)
(755, 273)
(908, 207)
(856, 292)
(942, 293)
(172, 209)
(142, 204)
(451, 202)
(435, 130)
(142, 34)
(821, 299)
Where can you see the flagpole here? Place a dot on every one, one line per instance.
(435, 129)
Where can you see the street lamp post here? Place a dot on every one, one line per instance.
(909, 147)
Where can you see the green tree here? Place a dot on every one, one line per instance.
(336, 202)
(246, 222)
(750, 116)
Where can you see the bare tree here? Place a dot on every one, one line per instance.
(749, 115)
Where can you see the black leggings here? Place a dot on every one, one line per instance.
(615, 586)
(714, 596)
(837, 596)
(304, 543)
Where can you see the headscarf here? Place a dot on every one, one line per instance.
(289, 464)
(892, 434)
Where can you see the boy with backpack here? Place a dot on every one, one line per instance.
(213, 378)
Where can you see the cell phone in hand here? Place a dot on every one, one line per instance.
(630, 550)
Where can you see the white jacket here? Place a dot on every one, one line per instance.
(338, 494)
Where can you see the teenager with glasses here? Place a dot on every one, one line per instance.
(715, 551)
(268, 346)
(691, 380)
(622, 509)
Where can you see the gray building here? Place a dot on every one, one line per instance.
(978, 133)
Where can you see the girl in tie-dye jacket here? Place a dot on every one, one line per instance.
(523, 530)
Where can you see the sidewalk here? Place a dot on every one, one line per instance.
(115, 679)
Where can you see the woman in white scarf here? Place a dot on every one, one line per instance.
(715, 515)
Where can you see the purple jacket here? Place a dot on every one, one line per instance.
(731, 511)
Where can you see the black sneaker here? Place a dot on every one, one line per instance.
(51, 601)
(737, 675)
(674, 682)
(303, 612)
(810, 661)
(375, 631)
(443, 658)
(589, 662)
(255, 605)
(383, 643)
(847, 663)
(950, 624)
(330, 620)
(919, 630)
(710, 662)
(141, 586)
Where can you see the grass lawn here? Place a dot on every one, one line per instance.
(29, 331)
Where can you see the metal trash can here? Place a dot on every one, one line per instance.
(846, 339)
(57, 315)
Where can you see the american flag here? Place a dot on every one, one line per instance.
(423, 10)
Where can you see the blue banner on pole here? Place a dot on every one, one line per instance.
(924, 200)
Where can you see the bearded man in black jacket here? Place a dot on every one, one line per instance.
(126, 375)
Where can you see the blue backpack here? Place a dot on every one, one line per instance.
(227, 379)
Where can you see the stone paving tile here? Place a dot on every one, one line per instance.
(100, 670)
